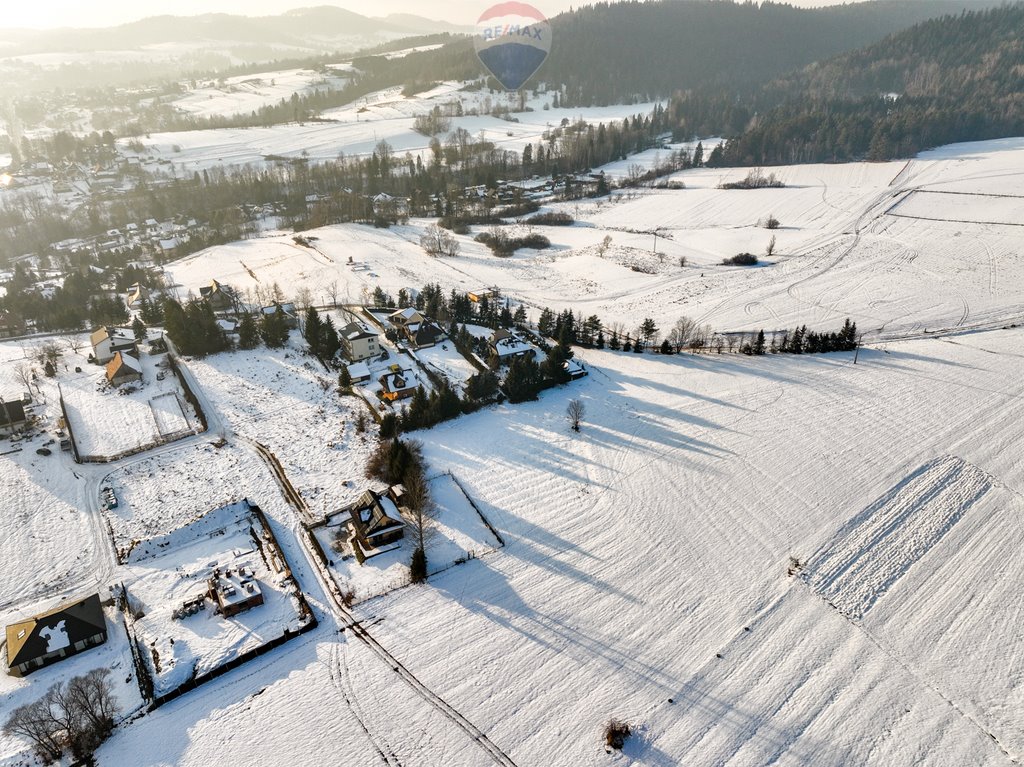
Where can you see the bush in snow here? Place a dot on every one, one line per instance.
(615, 733)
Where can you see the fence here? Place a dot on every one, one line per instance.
(67, 424)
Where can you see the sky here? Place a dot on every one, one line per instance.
(44, 14)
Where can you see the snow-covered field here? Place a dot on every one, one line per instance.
(287, 401)
(355, 129)
(775, 560)
(247, 93)
(457, 534)
(839, 253)
(645, 576)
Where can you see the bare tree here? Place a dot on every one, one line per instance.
(34, 723)
(438, 242)
(575, 412)
(422, 509)
(79, 715)
(48, 352)
(332, 291)
(74, 342)
(771, 246)
(679, 336)
(23, 375)
(303, 299)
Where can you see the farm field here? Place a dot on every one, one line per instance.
(661, 537)
(841, 251)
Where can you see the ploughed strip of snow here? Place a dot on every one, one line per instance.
(878, 545)
(169, 414)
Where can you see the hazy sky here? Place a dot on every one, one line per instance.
(42, 14)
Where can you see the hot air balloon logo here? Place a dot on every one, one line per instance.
(512, 40)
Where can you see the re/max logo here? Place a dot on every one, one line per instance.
(510, 30)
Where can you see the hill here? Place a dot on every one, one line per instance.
(956, 78)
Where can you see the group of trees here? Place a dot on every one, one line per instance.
(76, 716)
(321, 335)
(945, 80)
(802, 341)
(193, 327)
(80, 300)
(398, 461)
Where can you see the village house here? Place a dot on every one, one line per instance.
(419, 331)
(376, 519)
(52, 636)
(220, 297)
(291, 319)
(360, 343)
(124, 368)
(398, 384)
(137, 293)
(12, 417)
(234, 590)
(476, 296)
(108, 341)
(505, 346)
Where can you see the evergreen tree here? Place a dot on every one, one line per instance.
(274, 329)
(139, 330)
(344, 379)
(759, 343)
(614, 344)
(330, 344)
(666, 347)
(248, 332)
(523, 380)
(546, 323)
(311, 330)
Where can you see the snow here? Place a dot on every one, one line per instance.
(289, 402)
(646, 571)
(109, 421)
(176, 650)
(355, 129)
(114, 654)
(248, 93)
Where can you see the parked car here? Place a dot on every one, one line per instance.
(43, 451)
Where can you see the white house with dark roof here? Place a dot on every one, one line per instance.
(52, 636)
(360, 343)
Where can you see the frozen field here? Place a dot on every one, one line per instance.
(287, 401)
(645, 576)
(840, 253)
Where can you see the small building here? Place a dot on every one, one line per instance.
(476, 296)
(359, 372)
(506, 346)
(398, 384)
(234, 590)
(376, 520)
(360, 343)
(12, 417)
(219, 296)
(124, 368)
(427, 334)
(108, 341)
(52, 636)
(291, 319)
